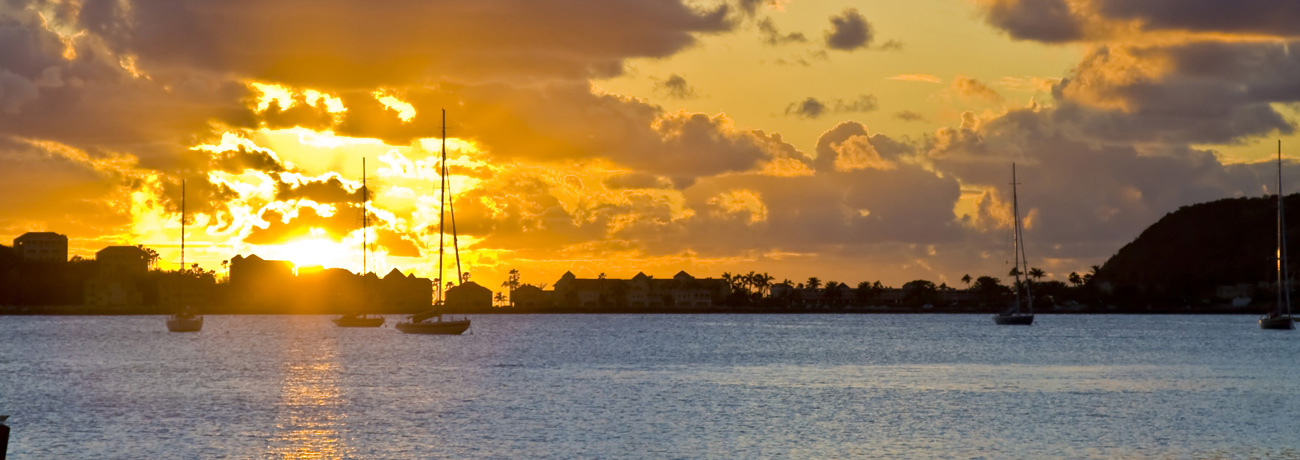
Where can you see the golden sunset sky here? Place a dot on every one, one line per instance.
(848, 140)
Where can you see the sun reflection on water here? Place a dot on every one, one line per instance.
(310, 415)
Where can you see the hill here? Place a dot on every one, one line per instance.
(1189, 252)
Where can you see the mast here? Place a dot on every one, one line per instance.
(442, 202)
(183, 274)
(1024, 261)
(1015, 234)
(451, 205)
(1283, 288)
(365, 227)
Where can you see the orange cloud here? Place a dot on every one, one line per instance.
(924, 78)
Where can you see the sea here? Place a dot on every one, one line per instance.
(653, 386)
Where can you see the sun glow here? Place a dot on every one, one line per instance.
(313, 251)
(405, 111)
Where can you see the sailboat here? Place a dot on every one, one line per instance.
(1013, 315)
(362, 319)
(432, 321)
(1280, 316)
(186, 320)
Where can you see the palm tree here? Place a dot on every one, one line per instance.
(966, 279)
(833, 292)
(1092, 273)
(1015, 271)
(150, 256)
(1037, 274)
(511, 283)
(813, 282)
(500, 298)
(1075, 279)
(764, 283)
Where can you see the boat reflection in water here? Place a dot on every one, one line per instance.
(310, 412)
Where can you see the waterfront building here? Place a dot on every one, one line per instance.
(42, 247)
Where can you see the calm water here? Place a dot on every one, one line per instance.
(654, 386)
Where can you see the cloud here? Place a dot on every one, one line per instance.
(1059, 21)
(1236, 85)
(675, 87)
(807, 108)
(772, 36)
(76, 93)
(814, 108)
(366, 47)
(908, 115)
(970, 88)
(1267, 17)
(917, 77)
(1035, 84)
(849, 31)
(46, 186)
(1049, 21)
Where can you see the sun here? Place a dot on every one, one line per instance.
(316, 251)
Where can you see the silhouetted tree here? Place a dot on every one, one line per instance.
(833, 292)
(511, 283)
(150, 255)
(966, 279)
(990, 290)
(813, 282)
(863, 292)
(920, 292)
(1075, 279)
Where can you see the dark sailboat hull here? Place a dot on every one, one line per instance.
(1016, 319)
(359, 321)
(1281, 322)
(185, 324)
(435, 327)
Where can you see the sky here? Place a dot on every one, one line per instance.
(848, 140)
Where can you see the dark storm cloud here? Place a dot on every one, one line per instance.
(565, 121)
(42, 189)
(91, 100)
(245, 158)
(1058, 21)
(1235, 85)
(849, 31)
(676, 87)
(328, 190)
(1087, 198)
(815, 108)
(908, 115)
(772, 36)
(807, 108)
(1049, 21)
(1267, 17)
(355, 44)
